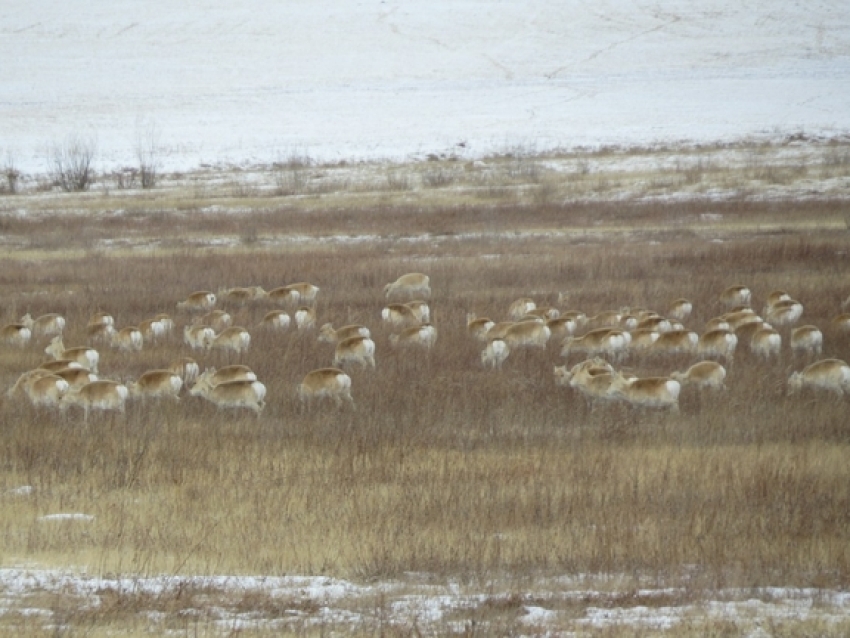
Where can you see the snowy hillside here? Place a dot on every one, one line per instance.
(252, 82)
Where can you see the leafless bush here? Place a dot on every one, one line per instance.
(12, 175)
(147, 152)
(71, 163)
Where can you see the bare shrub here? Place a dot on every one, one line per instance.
(12, 176)
(147, 152)
(71, 163)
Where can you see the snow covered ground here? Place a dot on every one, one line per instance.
(242, 82)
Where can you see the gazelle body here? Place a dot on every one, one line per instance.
(532, 334)
(477, 327)
(198, 336)
(495, 353)
(213, 376)
(128, 339)
(305, 318)
(300, 293)
(718, 343)
(411, 285)
(232, 394)
(234, 339)
(360, 350)
(156, 384)
(275, 320)
(241, 295)
(186, 368)
(199, 301)
(87, 357)
(520, 307)
(326, 383)
(15, 334)
(328, 334)
(102, 395)
(680, 310)
(48, 325)
(424, 336)
(736, 296)
(420, 309)
(675, 342)
(41, 388)
(766, 343)
(827, 374)
(705, 374)
(806, 341)
(611, 342)
(399, 315)
(216, 319)
(784, 313)
(653, 392)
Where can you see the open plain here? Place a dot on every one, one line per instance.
(451, 498)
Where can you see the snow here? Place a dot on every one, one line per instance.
(239, 82)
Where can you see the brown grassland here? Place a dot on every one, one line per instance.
(444, 468)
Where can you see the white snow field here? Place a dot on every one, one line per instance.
(241, 82)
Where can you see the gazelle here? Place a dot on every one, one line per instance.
(680, 309)
(841, 322)
(102, 395)
(520, 307)
(199, 301)
(705, 374)
(495, 353)
(411, 285)
(275, 320)
(660, 392)
(718, 343)
(217, 319)
(533, 334)
(60, 364)
(155, 384)
(766, 343)
(101, 319)
(499, 330)
(128, 339)
(186, 367)
(213, 376)
(305, 318)
(76, 377)
(41, 387)
(15, 334)
(477, 327)
(293, 294)
(152, 330)
(100, 332)
(606, 319)
(198, 336)
(241, 295)
(675, 342)
(775, 297)
(234, 339)
(87, 357)
(806, 341)
(327, 333)
(784, 313)
(420, 309)
(360, 350)
(827, 374)
(48, 325)
(399, 315)
(608, 341)
(424, 336)
(547, 313)
(232, 394)
(326, 383)
(642, 339)
(736, 296)
(657, 324)
(561, 327)
(591, 378)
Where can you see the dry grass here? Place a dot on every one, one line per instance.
(444, 468)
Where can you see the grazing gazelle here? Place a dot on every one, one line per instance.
(734, 296)
(411, 285)
(360, 350)
(705, 374)
(275, 320)
(766, 343)
(199, 301)
(128, 339)
(827, 374)
(495, 353)
(520, 307)
(155, 384)
(198, 336)
(15, 334)
(680, 309)
(101, 395)
(302, 293)
(399, 315)
(213, 376)
(87, 357)
(232, 394)
(477, 327)
(424, 336)
(328, 334)
(606, 341)
(527, 334)
(806, 341)
(718, 343)
(784, 313)
(41, 387)
(48, 325)
(326, 383)
(233, 339)
(659, 392)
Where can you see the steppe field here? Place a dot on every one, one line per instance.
(452, 498)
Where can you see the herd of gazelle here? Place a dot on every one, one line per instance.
(70, 378)
(608, 338)
(602, 341)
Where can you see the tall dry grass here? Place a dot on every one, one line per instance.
(444, 467)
